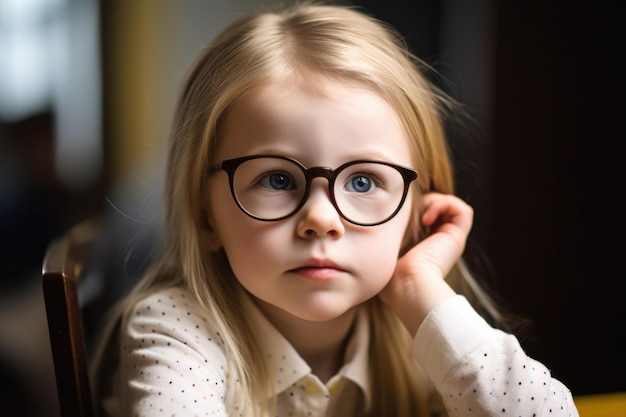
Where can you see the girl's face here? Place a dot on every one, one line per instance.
(314, 265)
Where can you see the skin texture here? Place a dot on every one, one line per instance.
(308, 272)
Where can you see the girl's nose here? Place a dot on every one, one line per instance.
(319, 217)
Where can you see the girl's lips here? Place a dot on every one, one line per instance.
(318, 273)
(320, 270)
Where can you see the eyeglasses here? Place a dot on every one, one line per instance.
(271, 188)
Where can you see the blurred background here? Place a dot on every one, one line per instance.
(87, 91)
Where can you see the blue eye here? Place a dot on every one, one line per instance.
(360, 184)
(277, 181)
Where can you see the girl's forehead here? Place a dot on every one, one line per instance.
(315, 88)
(311, 116)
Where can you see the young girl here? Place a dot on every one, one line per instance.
(312, 255)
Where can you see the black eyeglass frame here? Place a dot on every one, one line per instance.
(230, 166)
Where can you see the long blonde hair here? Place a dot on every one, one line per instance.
(298, 43)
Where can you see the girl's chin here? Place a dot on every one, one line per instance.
(320, 313)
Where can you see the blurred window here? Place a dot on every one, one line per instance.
(49, 61)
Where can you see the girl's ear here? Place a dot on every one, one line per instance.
(208, 235)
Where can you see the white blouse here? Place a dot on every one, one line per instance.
(172, 363)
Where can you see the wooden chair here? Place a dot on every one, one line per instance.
(64, 266)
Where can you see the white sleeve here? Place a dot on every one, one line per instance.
(171, 362)
(482, 371)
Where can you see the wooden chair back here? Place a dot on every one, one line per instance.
(64, 266)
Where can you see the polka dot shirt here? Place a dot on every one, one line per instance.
(172, 364)
(481, 371)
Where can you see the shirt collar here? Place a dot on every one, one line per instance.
(287, 367)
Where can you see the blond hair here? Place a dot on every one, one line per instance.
(296, 44)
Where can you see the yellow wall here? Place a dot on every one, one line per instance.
(149, 46)
(137, 104)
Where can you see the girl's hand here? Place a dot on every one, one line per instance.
(417, 285)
